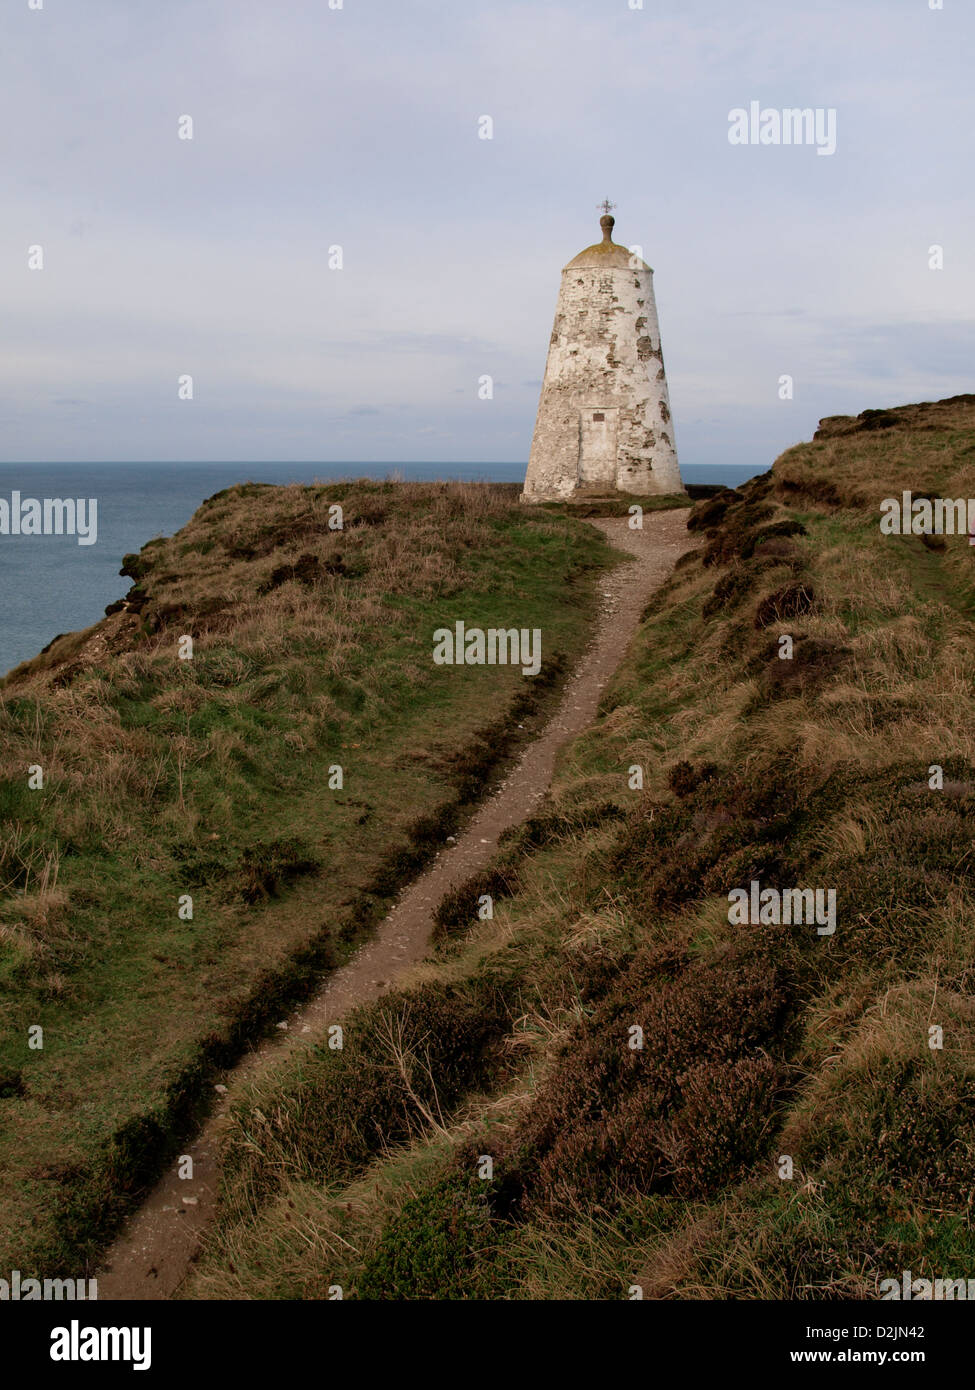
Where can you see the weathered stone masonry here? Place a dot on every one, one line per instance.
(604, 416)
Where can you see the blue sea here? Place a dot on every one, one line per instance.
(51, 584)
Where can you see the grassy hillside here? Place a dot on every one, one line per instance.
(213, 778)
(663, 1167)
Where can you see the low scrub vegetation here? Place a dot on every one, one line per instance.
(190, 862)
(664, 1098)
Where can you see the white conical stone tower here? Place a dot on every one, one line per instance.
(604, 417)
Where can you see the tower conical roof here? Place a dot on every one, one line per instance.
(606, 254)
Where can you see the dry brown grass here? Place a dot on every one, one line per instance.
(208, 777)
(820, 781)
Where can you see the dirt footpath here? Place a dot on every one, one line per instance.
(154, 1252)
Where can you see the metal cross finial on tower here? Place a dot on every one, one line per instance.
(607, 206)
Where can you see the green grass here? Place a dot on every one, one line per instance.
(210, 777)
(659, 1167)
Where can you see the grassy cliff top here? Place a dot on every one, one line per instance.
(207, 786)
(800, 1118)
(855, 461)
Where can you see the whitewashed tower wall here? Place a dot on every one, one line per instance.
(604, 419)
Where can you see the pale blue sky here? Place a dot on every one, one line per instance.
(359, 127)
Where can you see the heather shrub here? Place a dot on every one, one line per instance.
(457, 912)
(730, 589)
(440, 1244)
(684, 777)
(727, 1109)
(710, 511)
(813, 663)
(609, 1119)
(787, 602)
(405, 1059)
